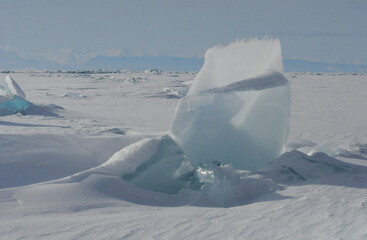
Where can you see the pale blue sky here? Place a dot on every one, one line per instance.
(333, 30)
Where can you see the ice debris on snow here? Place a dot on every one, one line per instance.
(237, 109)
(173, 93)
(73, 95)
(153, 71)
(131, 80)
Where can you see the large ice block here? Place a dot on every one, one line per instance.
(237, 110)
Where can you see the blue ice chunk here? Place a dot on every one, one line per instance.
(12, 101)
(12, 98)
(12, 104)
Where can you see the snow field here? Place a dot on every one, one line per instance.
(324, 108)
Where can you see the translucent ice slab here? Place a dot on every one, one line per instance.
(237, 110)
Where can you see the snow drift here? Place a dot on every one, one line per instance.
(155, 171)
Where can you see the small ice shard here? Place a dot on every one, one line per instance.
(224, 186)
(11, 87)
(153, 71)
(172, 93)
(237, 109)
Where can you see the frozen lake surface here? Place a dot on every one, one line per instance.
(300, 196)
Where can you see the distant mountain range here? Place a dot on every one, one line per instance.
(292, 65)
(11, 61)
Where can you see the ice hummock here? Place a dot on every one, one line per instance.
(237, 109)
(12, 98)
(12, 101)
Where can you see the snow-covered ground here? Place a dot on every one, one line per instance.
(46, 195)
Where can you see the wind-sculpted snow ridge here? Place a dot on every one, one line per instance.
(12, 101)
(237, 109)
(296, 168)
